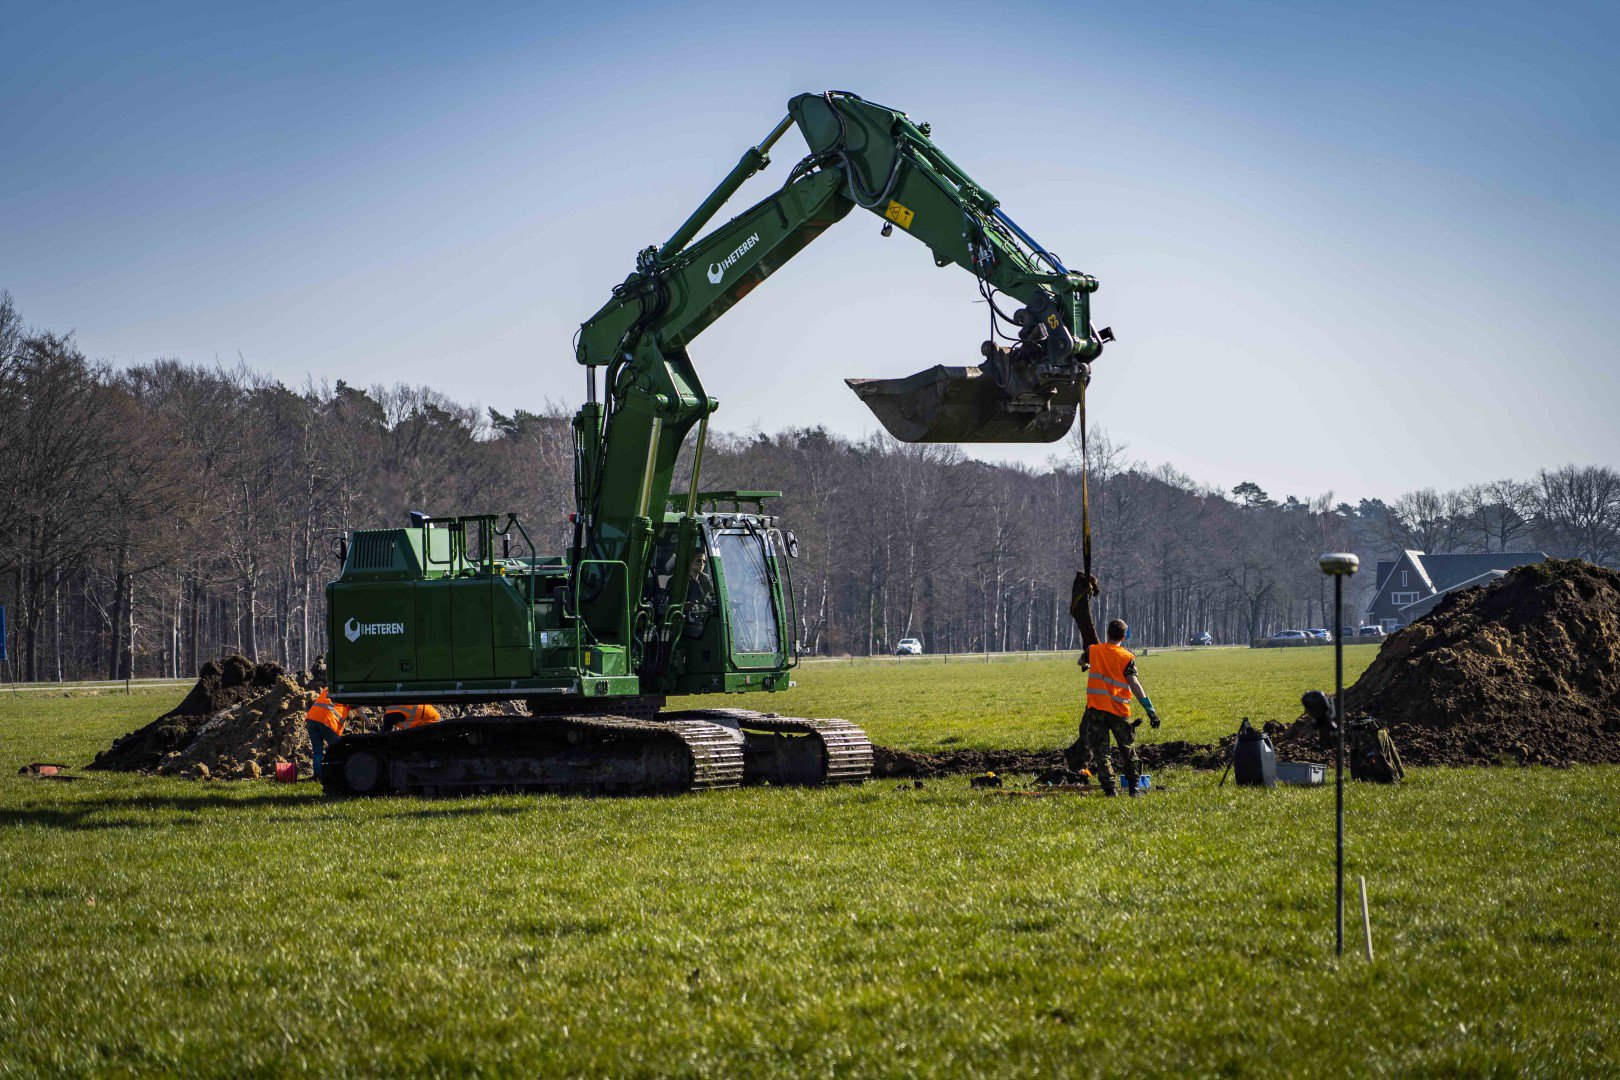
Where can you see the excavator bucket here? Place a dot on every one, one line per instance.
(965, 405)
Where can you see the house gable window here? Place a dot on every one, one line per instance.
(1400, 599)
(1403, 579)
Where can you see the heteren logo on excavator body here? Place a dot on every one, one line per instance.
(717, 270)
(354, 629)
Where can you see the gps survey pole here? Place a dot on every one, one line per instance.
(1338, 565)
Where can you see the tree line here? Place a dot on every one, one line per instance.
(157, 515)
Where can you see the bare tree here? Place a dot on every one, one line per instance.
(1579, 511)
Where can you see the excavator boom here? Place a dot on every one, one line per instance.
(1026, 388)
(866, 155)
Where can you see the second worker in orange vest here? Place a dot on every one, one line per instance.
(1109, 685)
(324, 722)
(409, 716)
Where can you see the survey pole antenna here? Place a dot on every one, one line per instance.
(1339, 565)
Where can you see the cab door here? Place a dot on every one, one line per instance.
(750, 601)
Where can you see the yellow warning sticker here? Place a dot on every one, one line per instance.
(899, 214)
(1052, 321)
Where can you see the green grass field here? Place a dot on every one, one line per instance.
(248, 929)
(1033, 704)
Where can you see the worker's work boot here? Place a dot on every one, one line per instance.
(1130, 786)
(1109, 791)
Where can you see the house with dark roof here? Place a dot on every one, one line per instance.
(1411, 585)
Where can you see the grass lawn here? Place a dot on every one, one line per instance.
(227, 929)
(922, 704)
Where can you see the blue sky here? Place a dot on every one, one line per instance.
(1361, 248)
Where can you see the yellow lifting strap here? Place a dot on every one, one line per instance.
(1085, 584)
(1085, 493)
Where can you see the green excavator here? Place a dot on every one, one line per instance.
(682, 592)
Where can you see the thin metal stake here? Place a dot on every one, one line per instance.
(1338, 761)
(1366, 920)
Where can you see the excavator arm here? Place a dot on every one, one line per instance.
(860, 155)
(867, 155)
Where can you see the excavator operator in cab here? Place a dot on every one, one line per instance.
(699, 594)
(409, 716)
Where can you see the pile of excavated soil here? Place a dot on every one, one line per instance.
(1525, 671)
(221, 684)
(238, 721)
(247, 740)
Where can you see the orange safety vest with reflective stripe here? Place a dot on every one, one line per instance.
(412, 715)
(328, 715)
(1106, 688)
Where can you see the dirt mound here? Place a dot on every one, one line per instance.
(247, 740)
(1525, 671)
(236, 722)
(220, 684)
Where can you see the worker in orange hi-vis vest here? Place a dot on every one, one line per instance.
(324, 722)
(1110, 682)
(409, 716)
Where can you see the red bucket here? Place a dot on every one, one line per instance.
(286, 772)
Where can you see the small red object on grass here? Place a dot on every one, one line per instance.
(286, 772)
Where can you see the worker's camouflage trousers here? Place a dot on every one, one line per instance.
(1095, 727)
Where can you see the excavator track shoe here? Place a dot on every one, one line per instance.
(790, 751)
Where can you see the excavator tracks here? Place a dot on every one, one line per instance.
(696, 750)
(565, 755)
(791, 751)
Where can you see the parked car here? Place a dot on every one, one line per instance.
(1320, 633)
(1290, 635)
(1201, 639)
(1370, 632)
(908, 647)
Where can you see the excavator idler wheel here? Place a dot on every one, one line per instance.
(365, 773)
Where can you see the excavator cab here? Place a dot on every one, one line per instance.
(736, 627)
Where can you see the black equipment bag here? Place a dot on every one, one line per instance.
(1373, 757)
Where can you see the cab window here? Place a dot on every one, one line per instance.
(748, 593)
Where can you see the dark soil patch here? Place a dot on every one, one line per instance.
(889, 762)
(222, 683)
(1525, 671)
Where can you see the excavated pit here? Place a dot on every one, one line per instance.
(1525, 671)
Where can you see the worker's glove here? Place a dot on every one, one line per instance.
(1153, 719)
